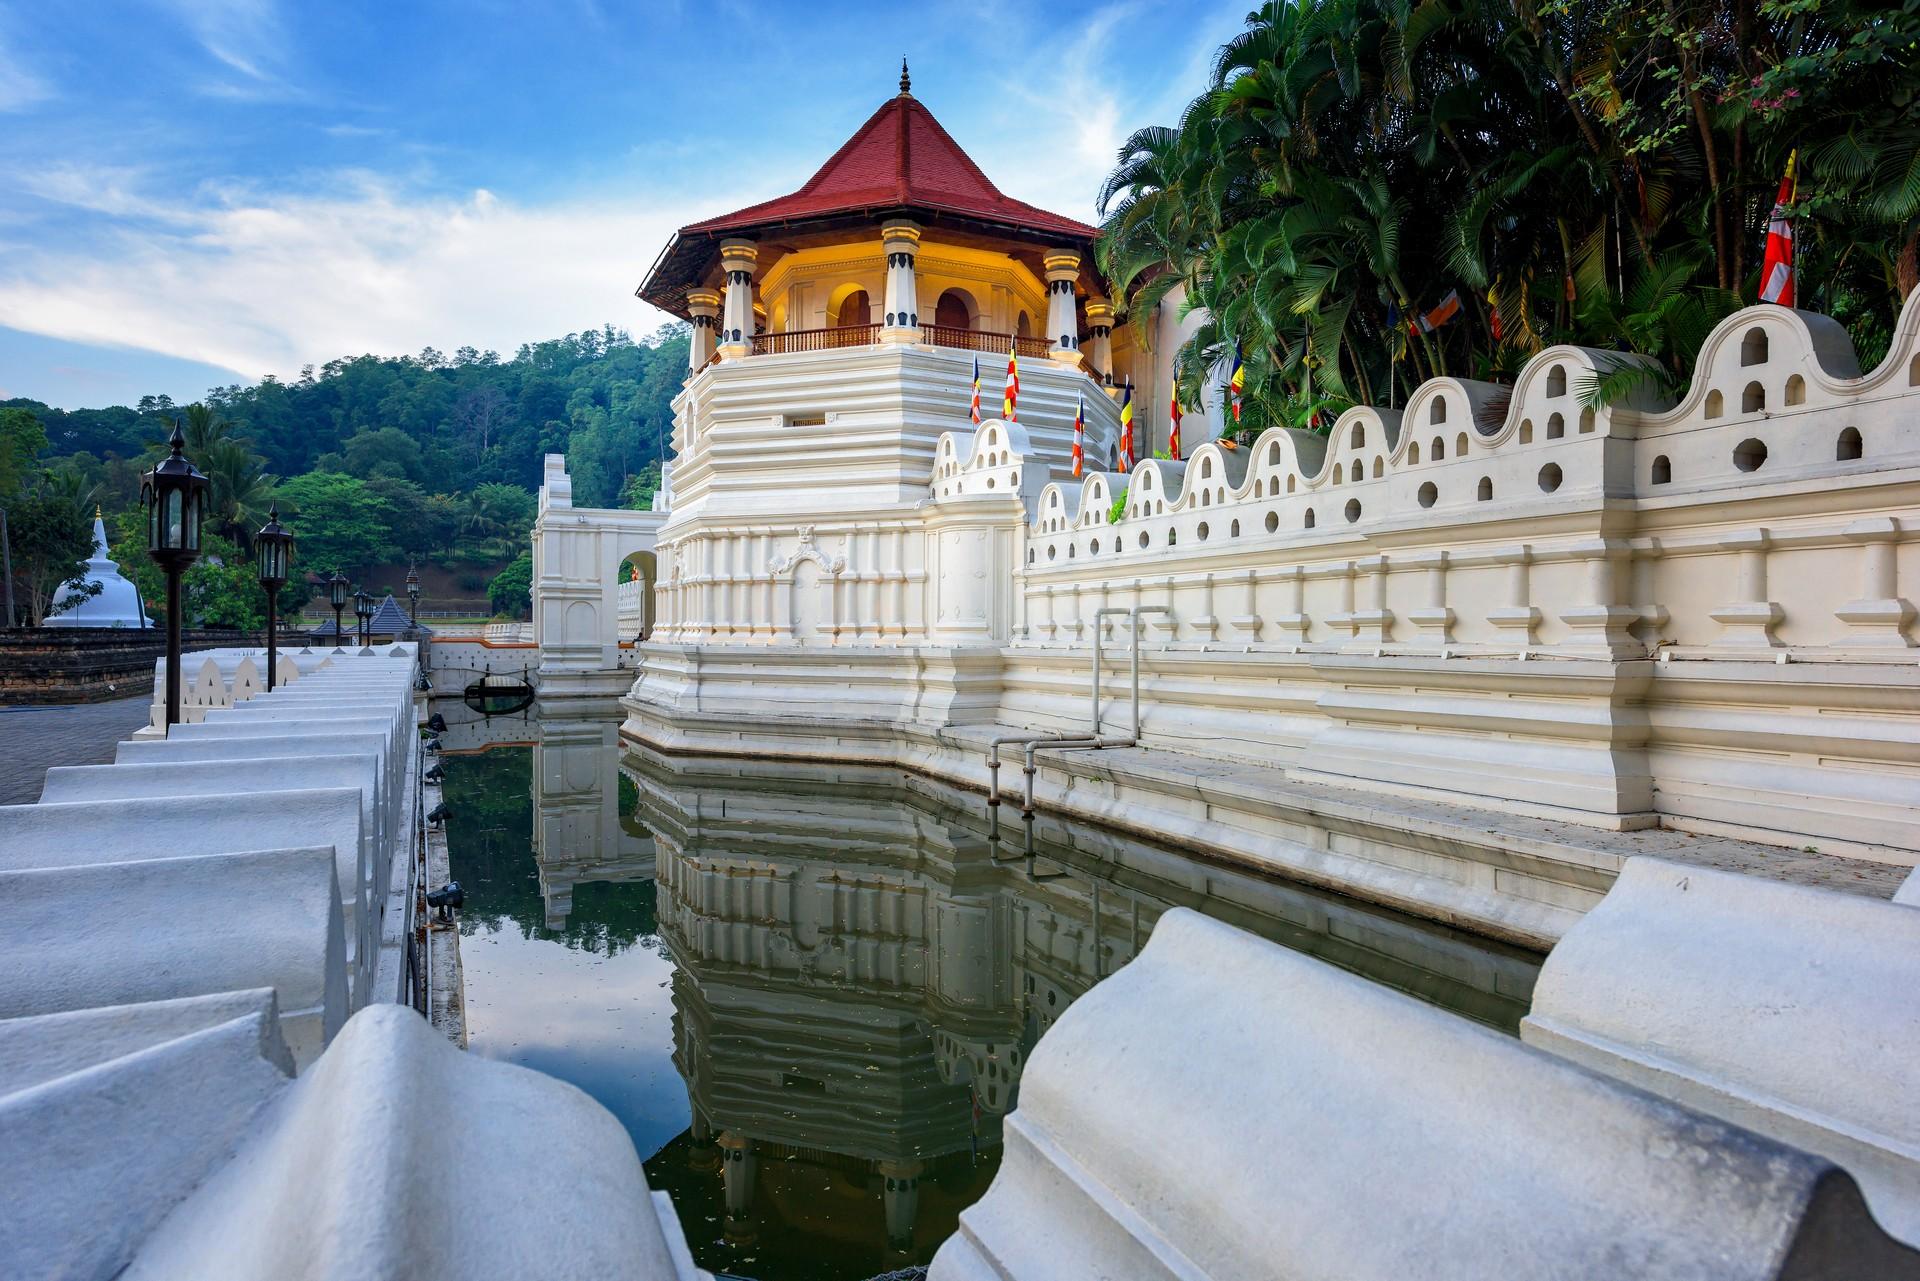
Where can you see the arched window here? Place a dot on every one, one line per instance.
(1022, 326)
(953, 311)
(854, 310)
(1557, 381)
(1849, 446)
(1753, 347)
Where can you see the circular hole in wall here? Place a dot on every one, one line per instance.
(1094, 547)
(1273, 522)
(1429, 494)
(1353, 510)
(1051, 550)
(1549, 478)
(1143, 538)
(1749, 455)
(1203, 531)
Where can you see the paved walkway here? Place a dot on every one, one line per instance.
(34, 738)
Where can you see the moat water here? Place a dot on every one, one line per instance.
(809, 992)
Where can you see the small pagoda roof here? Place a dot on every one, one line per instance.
(901, 162)
(390, 620)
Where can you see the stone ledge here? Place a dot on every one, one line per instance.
(1520, 879)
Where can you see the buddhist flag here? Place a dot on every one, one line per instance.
(1236, 381)
(976, 391)
(1010, 404)
(1079, 433)
(1173, 431)
(1126, 427)
(1449, 308)
(1776, 276)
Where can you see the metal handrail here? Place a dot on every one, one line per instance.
(1094, 741)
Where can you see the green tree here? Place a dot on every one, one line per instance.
(52, 538)
(1589, 171)
(21, 440)
(637, 494)
(338, 522)
(511, 591)
(385, 452)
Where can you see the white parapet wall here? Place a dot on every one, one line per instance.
(1351, 1133)
(1784, 1009)
(1694, 616)
(183, 931)
(580, 617)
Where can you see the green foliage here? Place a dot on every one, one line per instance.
(1118, 512)
(221, 589)
(1600, 171)
(423, 456)
(511, 591)
(21, 440)
(51, 535)
(338, 522)
(637, 494)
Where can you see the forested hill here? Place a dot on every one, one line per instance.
(445, 423)
(374, 461)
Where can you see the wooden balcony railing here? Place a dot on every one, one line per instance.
(779, 344)
(815, 339)
(981, 340)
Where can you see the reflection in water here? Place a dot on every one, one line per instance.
(815, 1045)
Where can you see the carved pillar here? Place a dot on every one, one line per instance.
(1750, 618)
(1247, 621)
(1603, 628)
(1063, 326)
(1372, 620)
(1434, 619)
(901, 320)
(1879, 618)
(1207, 624)
(737, 259)
(1100, 327)
(704, 304)
(1292, 621)
(1518, 616)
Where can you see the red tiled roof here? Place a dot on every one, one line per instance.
(900, 157)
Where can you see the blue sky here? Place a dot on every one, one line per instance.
(198, 192)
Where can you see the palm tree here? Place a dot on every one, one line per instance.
(240, 492)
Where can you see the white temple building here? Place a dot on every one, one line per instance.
(1510, 639)
(116, 605)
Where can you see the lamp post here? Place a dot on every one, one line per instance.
(413, 595)
(273, 551)
(175, 496)
(337, 597)
(363, 610)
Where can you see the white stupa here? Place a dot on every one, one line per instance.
(117, 605)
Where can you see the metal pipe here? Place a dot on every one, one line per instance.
(1095, 742)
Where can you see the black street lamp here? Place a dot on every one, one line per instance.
(413, 595)
(175, 496)
(363, 610)
(273, 552)
(337, 597)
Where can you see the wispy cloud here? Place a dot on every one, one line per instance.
(246, 35)
(1069, 104)
(262, 285)
(19, 87)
